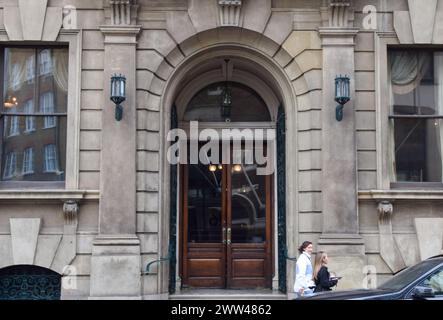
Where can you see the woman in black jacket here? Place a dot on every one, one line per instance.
(323, 281)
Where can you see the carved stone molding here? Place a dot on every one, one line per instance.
(229, 12)
(70, 211)
(422, 24)
(338, 14)
(389, 250)
(123, 12)
(32, 20)
(69, 17)
(385, 211)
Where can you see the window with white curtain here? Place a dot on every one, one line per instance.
(5, 126)
(33, 116)
(30, 68)
(14, 128)
(9, 166)
(45, 62)
(28, 161)
(16, 76)
(50, 158)
(416, 95)
(29, 120)
(47, 106)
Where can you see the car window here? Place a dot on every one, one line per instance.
(409, 275)
(435, 281)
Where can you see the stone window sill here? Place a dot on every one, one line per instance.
(380, 195)
(50, 195)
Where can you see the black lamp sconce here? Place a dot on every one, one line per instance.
(226, 98)
(342, 95)
(118, 94)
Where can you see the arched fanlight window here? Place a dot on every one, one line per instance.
(29, 282)
(246, 104)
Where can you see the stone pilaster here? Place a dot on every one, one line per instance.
(340, 237)
(115, 262)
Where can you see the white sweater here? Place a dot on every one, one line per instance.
(303, 273)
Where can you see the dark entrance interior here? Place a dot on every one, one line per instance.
(227, 223)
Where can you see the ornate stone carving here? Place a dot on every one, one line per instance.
(70, 211)
(123, 12)
(388, 246)
(69, 17)
(385, 211)
(229, 12)
(338, 14)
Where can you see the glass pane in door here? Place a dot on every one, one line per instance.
(205, 203)
(248, 204)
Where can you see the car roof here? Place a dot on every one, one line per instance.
(440, 256)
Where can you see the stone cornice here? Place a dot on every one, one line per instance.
(121, 30)
(337, 32)
(337, 36)
(380, 195)
(52, 195)
(116, 240)
(120, 34)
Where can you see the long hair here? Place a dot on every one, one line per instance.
(319, 257)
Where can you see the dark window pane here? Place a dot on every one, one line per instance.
(418, 155)
(247, 105)
(36, 156)
(18, 79)
(417, 90)
(413, 83)
(204, 204)
(248, 204)
(35, 83)
(53, 80)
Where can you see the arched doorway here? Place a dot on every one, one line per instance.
(227, 207)
(28, 282)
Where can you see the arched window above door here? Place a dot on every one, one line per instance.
(247, 105)
(29, 282)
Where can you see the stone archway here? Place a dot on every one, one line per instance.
(293, 86)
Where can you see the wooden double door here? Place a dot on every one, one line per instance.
(226, 226)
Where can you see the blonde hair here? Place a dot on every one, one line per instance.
(319, 258)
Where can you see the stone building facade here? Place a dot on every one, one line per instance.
(121, 205)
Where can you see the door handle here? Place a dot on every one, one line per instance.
(228, 234)
(224, 235)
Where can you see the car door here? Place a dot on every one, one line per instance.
(433, 281)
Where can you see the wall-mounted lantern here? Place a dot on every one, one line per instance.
(226, 100)
(118, 94)
(342, 95)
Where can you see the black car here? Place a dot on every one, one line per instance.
(421, 281)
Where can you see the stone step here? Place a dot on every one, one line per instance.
(207, 294)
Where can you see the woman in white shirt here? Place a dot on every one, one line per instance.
(304, 283)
